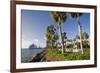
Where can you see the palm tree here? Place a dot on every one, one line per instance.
(85, 40)
(77, 15)
(64, 38)
(85, 36)
(51, 37)
(59, 18)
(76, 42)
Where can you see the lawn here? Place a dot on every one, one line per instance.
(55, 55)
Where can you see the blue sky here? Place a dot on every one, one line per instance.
(34, 24)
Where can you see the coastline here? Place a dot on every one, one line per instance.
(39, 57)
(27, 55)
(48, 55)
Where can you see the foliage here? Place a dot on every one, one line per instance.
(78, 55)
(85, 35)
(59, 18)
(55, 55)
(74, 15)
(85, 41)
(51, 37)
(77, 15)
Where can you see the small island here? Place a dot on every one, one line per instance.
(33, 46)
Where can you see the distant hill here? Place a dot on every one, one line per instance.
(32, 46)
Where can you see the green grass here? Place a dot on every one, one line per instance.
(78, 56)
(54, 55)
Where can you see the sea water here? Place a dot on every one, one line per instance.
(29, 53)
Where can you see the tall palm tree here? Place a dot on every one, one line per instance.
(77, 15)
(51, 37)
(59, 18)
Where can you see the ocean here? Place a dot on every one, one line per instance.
(27, 54)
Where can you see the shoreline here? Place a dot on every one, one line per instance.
(39, 57)
(48, 55)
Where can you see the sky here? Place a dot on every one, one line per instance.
(34, 24)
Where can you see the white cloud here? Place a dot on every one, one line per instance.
(45, 38)
(39, 43)
(36, 40)
(25, 43)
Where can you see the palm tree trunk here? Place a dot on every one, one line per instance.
(60, 31)
(79, 29)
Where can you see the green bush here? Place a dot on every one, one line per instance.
(55, 55)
